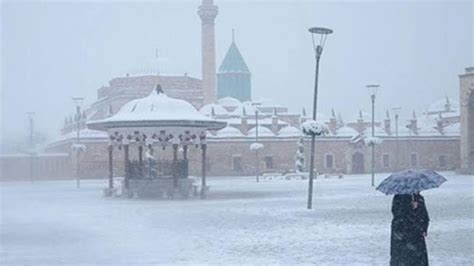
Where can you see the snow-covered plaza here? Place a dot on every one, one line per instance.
(241, 222)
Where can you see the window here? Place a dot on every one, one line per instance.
(329, 161)
(386, 160)
(268, 162)
(236, 163)
(443, 161)
(414, 160)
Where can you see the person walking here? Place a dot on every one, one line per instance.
(409, 229)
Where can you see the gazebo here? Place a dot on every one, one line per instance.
(150, 122)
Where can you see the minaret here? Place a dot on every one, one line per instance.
(208, 12)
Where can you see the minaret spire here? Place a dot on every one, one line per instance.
(208, 12)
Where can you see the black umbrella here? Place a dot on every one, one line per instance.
(410, 181)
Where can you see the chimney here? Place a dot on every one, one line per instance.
(244, 127)
(275, 121)
(440, 124)
(387, 127)
(414, 124)
(333, 122)
(360, 122)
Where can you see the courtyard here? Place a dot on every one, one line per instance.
(241, 222)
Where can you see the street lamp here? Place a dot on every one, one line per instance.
(321, 34)
(31, 144)
(373, 88)
(396, 112)
(256, 140)
(78, 101)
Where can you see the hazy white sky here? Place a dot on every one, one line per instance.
(54, 50)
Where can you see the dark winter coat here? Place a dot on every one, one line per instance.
(408, 246)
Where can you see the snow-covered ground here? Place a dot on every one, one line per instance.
(241, 222)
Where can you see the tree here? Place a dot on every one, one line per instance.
(299, 162)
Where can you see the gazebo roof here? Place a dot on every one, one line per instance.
(157, 110)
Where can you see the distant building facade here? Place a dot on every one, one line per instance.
(431, 140)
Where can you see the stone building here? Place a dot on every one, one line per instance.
(467, 121)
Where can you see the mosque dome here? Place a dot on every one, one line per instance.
(262, 132)
(228, 102)
(378, 132)
(444, 105)
(289, 131)
(346, 132)
(229, 132)
(218, 110)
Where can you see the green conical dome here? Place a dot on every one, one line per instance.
(233, 61)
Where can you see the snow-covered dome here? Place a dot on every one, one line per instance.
(228, 102)
(346, 132)
(218, 110)
(229, 132)
(289, 131)
(378, 132)
(249, 110)
(262, 132)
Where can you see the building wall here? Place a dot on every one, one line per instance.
(467, 121)
(282, 151)
(36, 167)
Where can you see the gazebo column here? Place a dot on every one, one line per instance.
(140, 155)
(185, 152)
(175, 165)
(140, 159)
(203, 169)
(126, 164)
(111, 167)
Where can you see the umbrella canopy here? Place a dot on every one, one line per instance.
(410, 181)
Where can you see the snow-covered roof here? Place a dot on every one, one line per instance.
(261, 121)
(289, 131)
(249, 110)
(346, 132)
(428, 131)
(83, 134)
(378, 131)
(229, 132)
(262, 132)
(443, 104)
(366, 117)
(228, 102)
(157, 109)
(452, 130)
(319, 116)
(218, 110)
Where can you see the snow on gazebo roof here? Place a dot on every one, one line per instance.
(262, 132)
(229, 131)
(157, 110)
(289, 131)
(218, 110)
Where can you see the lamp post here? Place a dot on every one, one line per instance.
(373, 92)
(396, 112)
(78, 102)
(256, 141)
(322, 34)
(31, 143)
